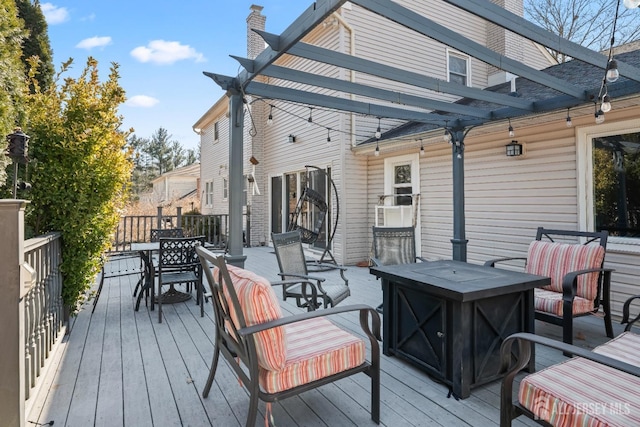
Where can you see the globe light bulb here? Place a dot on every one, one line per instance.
(447, 136)
(631, 4)
(599, 117)
(569, 122)
(378, 133)
(612, 71)
(377, 152)
(606, 104)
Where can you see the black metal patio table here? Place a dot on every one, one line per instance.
(449, 318)
(172, 295)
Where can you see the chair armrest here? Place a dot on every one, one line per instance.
(302, 276)
(525, 339)
(492, 262)
(625, 313)
(372, 331)
(570, 280)
(310, 299)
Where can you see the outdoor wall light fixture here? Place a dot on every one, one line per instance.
(292, 138)
(513, 149)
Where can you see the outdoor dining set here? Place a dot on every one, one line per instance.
(462, 324)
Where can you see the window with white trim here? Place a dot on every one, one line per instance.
(208, 193)
(225, 188)
(609, 180)
(458, 68)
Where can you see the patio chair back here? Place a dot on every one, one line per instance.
(394, 245)
(159, 233)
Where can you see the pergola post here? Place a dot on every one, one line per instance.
(236, 143)
(459, 240)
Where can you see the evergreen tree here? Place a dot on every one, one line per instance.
(36, 42)
(12, 77)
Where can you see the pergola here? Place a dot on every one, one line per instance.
(455, 118)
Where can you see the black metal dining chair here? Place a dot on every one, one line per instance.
(178, 263)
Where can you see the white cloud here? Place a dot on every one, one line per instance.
(164, 52)
(92, 42)
(54, 14)
(90, 17)
(143, 101)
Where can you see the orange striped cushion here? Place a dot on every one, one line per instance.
(555, 260)
(580, 392)
(316, 349)
(259, 304)
(551, 302)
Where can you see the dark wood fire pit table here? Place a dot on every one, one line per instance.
(450, 317)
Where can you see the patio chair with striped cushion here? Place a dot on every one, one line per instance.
(277, 357)
(580, 285)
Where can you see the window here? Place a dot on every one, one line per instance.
(225, 188)
(216, 131)
(208, 193)
(609, 163)
(458, 68)
(402, 184)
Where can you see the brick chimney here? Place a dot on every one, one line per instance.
(505, 42)
(255, 43)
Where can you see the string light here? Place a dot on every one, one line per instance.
(605, 106)
(270, 118)
(599, 115)
(569, 122)
(612, 71)
(511, 132)
(377, 152)
(447, 136)
(378, 132)
(310, 119)
(422, 153)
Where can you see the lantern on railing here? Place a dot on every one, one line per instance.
(17, 150)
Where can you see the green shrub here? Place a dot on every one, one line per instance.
(80, 171)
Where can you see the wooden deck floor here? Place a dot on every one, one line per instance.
(119, 367)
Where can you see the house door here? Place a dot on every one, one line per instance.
(401, 186)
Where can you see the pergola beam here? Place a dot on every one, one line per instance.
(372, 92)
(373, 68)
(518, 25)
(310, 18)
(333, 102)
(425, 26)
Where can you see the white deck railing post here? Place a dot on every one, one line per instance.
(12, 289)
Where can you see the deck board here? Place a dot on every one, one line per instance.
(121, 367)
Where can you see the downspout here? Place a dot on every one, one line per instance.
(352, 73)
(352, 119)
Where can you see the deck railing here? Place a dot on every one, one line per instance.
(137, 228)
(31, 310)
(43, 307)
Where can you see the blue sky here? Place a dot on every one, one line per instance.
(162, 47)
